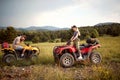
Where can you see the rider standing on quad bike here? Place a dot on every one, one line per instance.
(76, 40)
(16, 43)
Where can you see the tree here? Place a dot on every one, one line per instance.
(35, 39)
(8, 34)
(2, 36)
(94, 33)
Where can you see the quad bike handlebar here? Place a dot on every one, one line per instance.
(68, 42)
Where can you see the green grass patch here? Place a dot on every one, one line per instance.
(44, 68)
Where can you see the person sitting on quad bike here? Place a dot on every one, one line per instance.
(16, 43)
(76, 40)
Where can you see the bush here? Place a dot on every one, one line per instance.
(8, 34)
(57, 40)
(94, 33)
(35, 39)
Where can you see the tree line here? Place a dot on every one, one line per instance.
(8, 34)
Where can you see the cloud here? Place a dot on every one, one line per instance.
(65, 17)
(21, 12)
(61, 13)
(17, 7)
(101, 6)
(106, 10)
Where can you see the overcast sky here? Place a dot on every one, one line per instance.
(59, 13)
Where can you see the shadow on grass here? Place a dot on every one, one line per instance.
(24, 62)
(44, 60)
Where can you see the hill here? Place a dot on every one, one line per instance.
(39, 28)
(51, 28)
(106, 23)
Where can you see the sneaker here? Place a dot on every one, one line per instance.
(22, 55)
(80, 58)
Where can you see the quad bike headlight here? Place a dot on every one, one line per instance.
(55, 48)
(58, 50)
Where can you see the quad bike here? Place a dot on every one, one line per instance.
(67, 55)
(11, 55)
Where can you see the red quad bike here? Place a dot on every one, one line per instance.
(67, 55)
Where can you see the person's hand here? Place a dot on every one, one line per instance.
(71, 40)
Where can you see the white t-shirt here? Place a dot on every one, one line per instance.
(16, 42)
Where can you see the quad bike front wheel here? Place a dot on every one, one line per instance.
(66, 60)
(95, 58)
(34, 58)
(37, 50)
(9, 59)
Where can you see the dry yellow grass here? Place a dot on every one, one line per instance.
(45, 69)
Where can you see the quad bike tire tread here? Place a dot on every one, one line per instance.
(6, 56)
(95, 54)
(70, 57)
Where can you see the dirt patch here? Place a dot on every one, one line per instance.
(14, 73)
(50, 72)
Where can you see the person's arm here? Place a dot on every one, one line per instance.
(17, 42)
(74, 37)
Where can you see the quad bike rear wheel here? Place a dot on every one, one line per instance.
(9, 59)
(95, 58)
(67, 60)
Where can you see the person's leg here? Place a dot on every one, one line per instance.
(78, 48)
(76, 44)
(23, 52)
(21, 48)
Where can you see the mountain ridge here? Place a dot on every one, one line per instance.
(39, 28)
(53, 28)
(106, 23)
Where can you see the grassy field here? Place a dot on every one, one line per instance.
(45, 68)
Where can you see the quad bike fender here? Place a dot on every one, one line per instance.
(34, 48)
(93, 48)
(31, 48)
(9, 51)
(96, 46)
(28, 48)
(69, 49)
